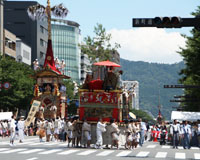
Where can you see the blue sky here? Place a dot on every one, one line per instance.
(119, 13)
(138, 44)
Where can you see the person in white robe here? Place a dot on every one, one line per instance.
(86, 133)
(101, 127)
(20, 126)
(12, 130)
(114, 129)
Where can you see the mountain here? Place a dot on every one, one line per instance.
(152, 77)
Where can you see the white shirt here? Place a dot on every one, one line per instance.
(186, 129)
(20, 125)
(12, 125)
(100, 126)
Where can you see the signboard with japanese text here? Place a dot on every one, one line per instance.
(34, 108)
(98, 98)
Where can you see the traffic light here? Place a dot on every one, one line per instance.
(167, 22)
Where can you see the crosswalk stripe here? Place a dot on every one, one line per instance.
(3, 149)
(166, 147)
(31, 151)
(194, 148)
(161, 155)
(68, 152)
(4, 143)
(14, 150)
(34, 158)
(64, 144)
(50, 151)
(105, 153)
(196, 155)
(85, 153)
(179, 155)
(35, 144)
(50, 144)
(123, 153)
(180, 147)
(151, 146)
(24, 143)
(142, 154)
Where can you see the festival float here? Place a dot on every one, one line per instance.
(49, 90)
(101, 97)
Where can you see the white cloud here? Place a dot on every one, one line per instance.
(149, 44)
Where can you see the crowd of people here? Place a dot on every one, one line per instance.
(80, 134)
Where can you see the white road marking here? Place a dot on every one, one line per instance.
(142, 154)
(68, 152)
(14, 150)
(64, 144)
(180, 147)
(24, 143)
(34, 158)
(3, 149)
(179, 155)
(194, 148)
(166, 147)
(50, 151)
(105, 153)
(50, 143)
(35, 144)
(85, 153)
(151, 146)
(123, 153)
(4, 143)
(161, 155)
(196, 155)
(31, 151)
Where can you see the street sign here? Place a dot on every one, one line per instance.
(166, 22)
(181, 86)
(190, 100)
(6, 85)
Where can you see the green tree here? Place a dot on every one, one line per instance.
(99, 46)
(191, 73)
(19, 95)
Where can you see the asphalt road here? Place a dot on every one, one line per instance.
(32, 149)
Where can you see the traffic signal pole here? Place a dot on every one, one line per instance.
(166, 22)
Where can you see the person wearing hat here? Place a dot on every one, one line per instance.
(20, 126)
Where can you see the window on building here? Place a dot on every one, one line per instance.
(42, 42)
(26, 54)
(42, 29)
(42, 55)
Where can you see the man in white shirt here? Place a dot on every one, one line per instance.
(175, 130)
(186, 135)
(12, 130)
(20, 126)
(143, 130)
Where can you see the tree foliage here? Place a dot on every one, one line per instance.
(191, 73)
(20, 93)
(98, 47)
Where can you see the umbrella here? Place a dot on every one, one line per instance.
(132, 115)
(107, 63)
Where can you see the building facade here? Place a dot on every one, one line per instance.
(10, 44)
(133, 89)
(65, 40)
(32, 33)
(1, 27)
(23, 52)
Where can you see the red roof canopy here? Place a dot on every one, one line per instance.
(49, 59)
(107, 63)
